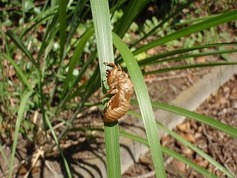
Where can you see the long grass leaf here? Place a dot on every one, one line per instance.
(80, 11)
(19, 43)
(178, 156)
(178, 138)
(69, 173)
(198, 117)
(84, 90)
(189, 67)
(211, 22)
(40, 18)
(144, 104)
(130, 13)
(102, 26)
(19, 72)
(165, 20)
(170, 153)
(62, 21)
(196, 149)
(20, 116)
(4, 155)
(76, 56)
(186, 56)
(162, 55)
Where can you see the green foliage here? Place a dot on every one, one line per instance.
(103, 34)
(52, 53)
(144, 104)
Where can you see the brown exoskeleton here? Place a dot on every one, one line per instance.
(121, 87)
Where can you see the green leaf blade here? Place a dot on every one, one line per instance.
(144, 104)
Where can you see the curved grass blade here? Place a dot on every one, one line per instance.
(76, 56)
(20, 117)
(186, 56)
(69, 174)
(4, 156)
(181, 51)
(172, 15)
(196, 149)
(198, 117)
(19, 72)
(130, 13)
(21, 46)
(211, 22)
(41, 18)
(78, 14)
(170, 153)
(189, 67)
(144, 104)
(178, 156)
(178, 138)
(52, 29)
(70, 93)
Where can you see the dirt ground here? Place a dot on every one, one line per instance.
(222, 106)
(170, 85)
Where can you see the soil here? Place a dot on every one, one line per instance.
(79, 146)
(164, 87)
(222, 106)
